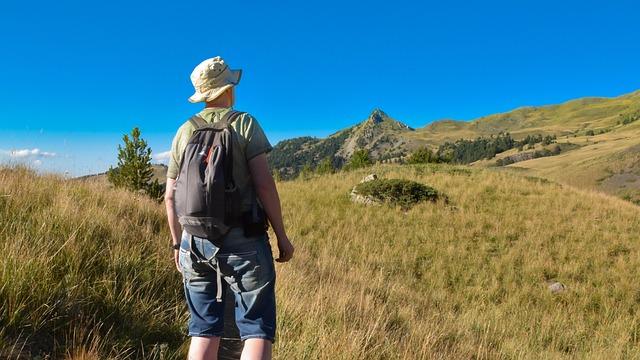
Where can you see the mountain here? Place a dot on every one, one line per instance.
(602, 135)
(384, 138)
(599, 140)
(564, 119)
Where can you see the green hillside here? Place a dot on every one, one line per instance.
(598, 140)
(381, 135)
(87, 272)
(603, 142)
(572, 117)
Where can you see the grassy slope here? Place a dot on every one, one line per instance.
(438, 282)
(85, 271)
(608, 162)
(367, 282)
(575, 115)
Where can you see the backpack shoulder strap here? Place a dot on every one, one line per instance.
(197, 122)
(230, 117)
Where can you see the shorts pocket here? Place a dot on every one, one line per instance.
(184, 260)
(241, 270)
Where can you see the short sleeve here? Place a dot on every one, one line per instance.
(256, 141)
(177, 147)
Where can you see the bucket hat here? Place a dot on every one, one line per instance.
(211, 78)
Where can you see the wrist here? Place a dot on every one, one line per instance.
(282, 237)
(175, 246)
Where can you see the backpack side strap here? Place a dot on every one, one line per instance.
(198, 122)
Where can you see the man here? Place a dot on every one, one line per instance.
(245, 262)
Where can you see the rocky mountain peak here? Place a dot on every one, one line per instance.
(377, 116)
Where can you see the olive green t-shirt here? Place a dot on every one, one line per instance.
(249, 141)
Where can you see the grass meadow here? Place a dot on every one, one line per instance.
(86, 271)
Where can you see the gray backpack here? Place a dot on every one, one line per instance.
(206, 197)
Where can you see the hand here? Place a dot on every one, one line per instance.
(176, 259)
(286, 249)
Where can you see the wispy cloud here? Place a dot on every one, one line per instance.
(29, 153)
(163, 156)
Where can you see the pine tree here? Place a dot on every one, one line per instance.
(134, 171)
(422, 155)
(325, 166)
(359, 159)
(306, 172)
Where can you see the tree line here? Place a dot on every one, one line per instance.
(462, 151)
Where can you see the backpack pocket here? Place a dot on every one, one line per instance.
(204, 227)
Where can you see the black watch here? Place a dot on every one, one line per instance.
(175, 246)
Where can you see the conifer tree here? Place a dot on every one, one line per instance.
(359, 159)
(306, 172)
(134, 171)
(422, 155)
(325, 166)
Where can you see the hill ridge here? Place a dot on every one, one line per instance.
(577, 122)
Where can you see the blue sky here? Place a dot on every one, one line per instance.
(75, 76)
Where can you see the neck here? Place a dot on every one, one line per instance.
(217, 105)
(221, 102)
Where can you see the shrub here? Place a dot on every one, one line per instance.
(306, 172)
(629, 118)
(359, 159)
(398, 191)
(325, 166)
(422, 155)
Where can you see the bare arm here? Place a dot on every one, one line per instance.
(174, 224)
(268, 193)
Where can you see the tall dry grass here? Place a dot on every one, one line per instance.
(86, 272)
(459, 281)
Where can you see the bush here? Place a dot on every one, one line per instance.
(306, 172)
(359, 159)
(398, 191)
(628, 118)
(422, 155)
(325, 166)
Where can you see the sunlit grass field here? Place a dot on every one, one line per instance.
(596, 160)
(86, 271)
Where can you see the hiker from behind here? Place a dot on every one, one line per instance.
(219, 189)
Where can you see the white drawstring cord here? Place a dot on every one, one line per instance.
(218, 282)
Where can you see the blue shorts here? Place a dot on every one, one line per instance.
(246, 264)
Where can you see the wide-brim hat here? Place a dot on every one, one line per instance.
(211, 78)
